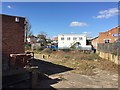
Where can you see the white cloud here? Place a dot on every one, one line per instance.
(87, 32)
(54, 36)
(77, 24)
(71, 32)
(107, 13)
(9, 6)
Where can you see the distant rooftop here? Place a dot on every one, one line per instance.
(73, 34)
(110, 29)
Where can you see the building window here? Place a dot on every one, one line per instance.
(74, 38)
(17, 19)
(62, 38)
(88, 42)
(68, 38)
(107, 41)
(80, 38)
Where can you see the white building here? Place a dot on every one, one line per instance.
(32, 39)
(68, 40)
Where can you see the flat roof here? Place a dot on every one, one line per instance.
(73, 34)
(13, 15)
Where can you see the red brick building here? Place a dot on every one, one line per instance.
(109, 36)
(95, 42)
(56, 38)
(13, 32)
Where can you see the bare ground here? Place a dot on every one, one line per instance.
(93, 72)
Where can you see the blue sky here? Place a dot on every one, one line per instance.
(65, 17)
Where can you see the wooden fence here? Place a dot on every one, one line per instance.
(110, 51)
(113, 48)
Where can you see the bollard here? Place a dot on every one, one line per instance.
(33, 76)
(30, 82)
(34, 79)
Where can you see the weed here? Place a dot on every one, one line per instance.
(67, 56)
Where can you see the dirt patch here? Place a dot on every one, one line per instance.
(89, 71)
(81, 63)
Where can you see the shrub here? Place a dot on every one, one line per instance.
(40, 48)
(67, 56)
(47, 50)
(27, 46)
(93, 57)
(66, 50)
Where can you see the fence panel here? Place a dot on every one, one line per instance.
(113, 48)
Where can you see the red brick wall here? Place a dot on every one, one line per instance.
(104, 35)
(108, 34)
(12, 36)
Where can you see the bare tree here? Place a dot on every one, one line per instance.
(27, 29)
(42, 38)
(30, 33)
